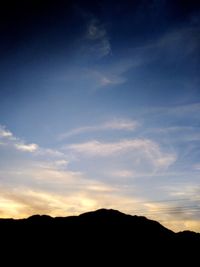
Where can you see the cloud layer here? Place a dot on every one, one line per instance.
(114, 125)
(45, 181)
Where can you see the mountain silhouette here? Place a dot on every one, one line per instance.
(98, 237)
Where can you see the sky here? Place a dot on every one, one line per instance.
(100, 108)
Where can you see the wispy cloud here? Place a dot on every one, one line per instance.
(189, 109)
(186, 211)
(176, 215)
(27, 148)
(107, 79)
(4, 132)
(48, 152)
(54, 192)
(123, 173)
(115, 124)
(185, 134)
(10, 140)
(184, 38)
(95, 31)
(174, 115)
(137, 148)
(112, 74)
(98, 38)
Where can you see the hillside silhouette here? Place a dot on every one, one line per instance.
(102, 235)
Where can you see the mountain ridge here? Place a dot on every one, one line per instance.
(96, 214)
(97, 237)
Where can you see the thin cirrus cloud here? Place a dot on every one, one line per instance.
(166, 44)
(190, 110)
(107, 79)
(115, 124)
(114, 74)
(123, 173)
(98, 40)
(184, 38)
(138, 148)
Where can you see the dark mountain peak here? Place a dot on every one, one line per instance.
(38, 218)
(103, 213)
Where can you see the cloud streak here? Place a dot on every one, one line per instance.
(98, 39)
(115, 125)
(106, 79)
(27, 148)
(138, 149)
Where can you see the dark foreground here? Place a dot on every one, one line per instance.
(103, 237)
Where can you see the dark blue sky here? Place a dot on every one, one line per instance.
(100, 103)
